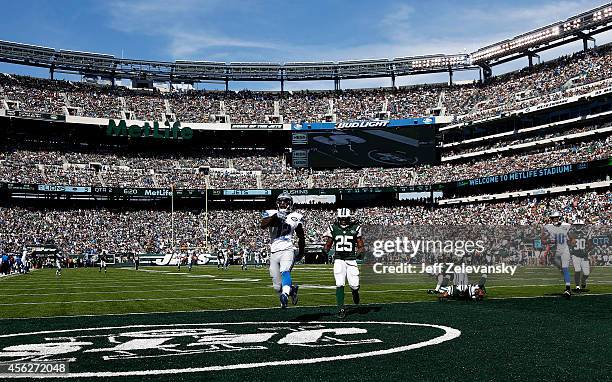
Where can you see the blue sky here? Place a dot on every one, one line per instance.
(280, 31)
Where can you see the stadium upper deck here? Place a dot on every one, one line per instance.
(580, 73)
(582, 26)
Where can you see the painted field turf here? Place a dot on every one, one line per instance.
(522, 331)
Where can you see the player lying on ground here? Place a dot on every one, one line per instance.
(344, 235)
(457, 286)
(282, 223)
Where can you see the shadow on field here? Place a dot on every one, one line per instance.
(362, 310)
(313, 316)
(353, 310)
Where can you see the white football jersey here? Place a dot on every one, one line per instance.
(559, 234)
(281, 235)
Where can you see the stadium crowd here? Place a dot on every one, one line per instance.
(507, 141)
(579, 73)
(82, 231)
(252, 169)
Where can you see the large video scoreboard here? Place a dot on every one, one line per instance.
(401, 146)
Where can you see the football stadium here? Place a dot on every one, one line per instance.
(199, 216)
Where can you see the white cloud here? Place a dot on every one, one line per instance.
(183, 24)
(398, 22)
(188, 44)
(186, 30)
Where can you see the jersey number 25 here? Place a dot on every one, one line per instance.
(344, 243)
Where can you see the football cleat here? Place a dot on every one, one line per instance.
(479, 294)
(284, 300)
(432, 291)
(294, 294)
(341, 313)
(567, 294)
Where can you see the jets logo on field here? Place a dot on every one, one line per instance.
(191, 348)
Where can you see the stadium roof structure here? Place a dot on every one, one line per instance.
(579, 27)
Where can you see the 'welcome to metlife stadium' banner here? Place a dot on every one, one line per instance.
(525, 175)
(363, 124)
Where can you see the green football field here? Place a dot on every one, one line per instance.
(160, 324)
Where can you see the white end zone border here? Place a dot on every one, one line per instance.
(449, 334)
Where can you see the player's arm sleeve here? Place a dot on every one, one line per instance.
(547, 237)
(268, 218)
(571, 237)
(299, 231)
(328, 231)
(328, 245)
(359, 241)
(329, 241)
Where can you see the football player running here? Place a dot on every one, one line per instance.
(344, 235)
(282, 224)
(220, 258)
(179, 260)
(58, 264)
(103, 257)
(557, 234)
(243, 260)
(580, 239)
(190, 257)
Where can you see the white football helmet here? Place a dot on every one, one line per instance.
(344, 217)
(284, 202)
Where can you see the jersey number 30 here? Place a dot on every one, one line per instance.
(580, 244)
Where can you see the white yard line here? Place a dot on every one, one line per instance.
(234, 296)
(268, 308)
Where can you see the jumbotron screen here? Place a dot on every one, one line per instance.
(383, 147)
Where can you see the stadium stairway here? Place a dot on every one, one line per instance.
(101, 179)
(258, 179)
(361, 181)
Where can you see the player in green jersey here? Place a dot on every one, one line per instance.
(580, 240)
(344, 236)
